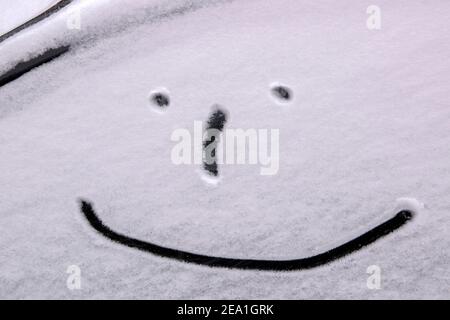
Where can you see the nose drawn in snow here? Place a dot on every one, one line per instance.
(215, 125)
(281, 93)
(159, 99)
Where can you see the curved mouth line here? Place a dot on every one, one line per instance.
(397, 221)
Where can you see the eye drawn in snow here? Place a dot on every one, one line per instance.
(281, 93)
(159, 99)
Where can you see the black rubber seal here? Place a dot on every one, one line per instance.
(42, 16)
(25, 66)
(349, 247)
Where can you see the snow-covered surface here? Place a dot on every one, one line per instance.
(14, 13)
(99, 19)
(369, 125)
(410, 204)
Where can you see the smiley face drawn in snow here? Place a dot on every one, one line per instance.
(107, 146)
(231, 68)
(160, 100)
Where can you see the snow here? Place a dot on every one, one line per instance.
(17, 12)
(98, 20)
(369, 125)
(409, 204)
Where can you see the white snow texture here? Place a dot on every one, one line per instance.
(370, 123)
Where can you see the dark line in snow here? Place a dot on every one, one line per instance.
(216, 122)
(23, 67)
(349, 247)
(42, 16)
